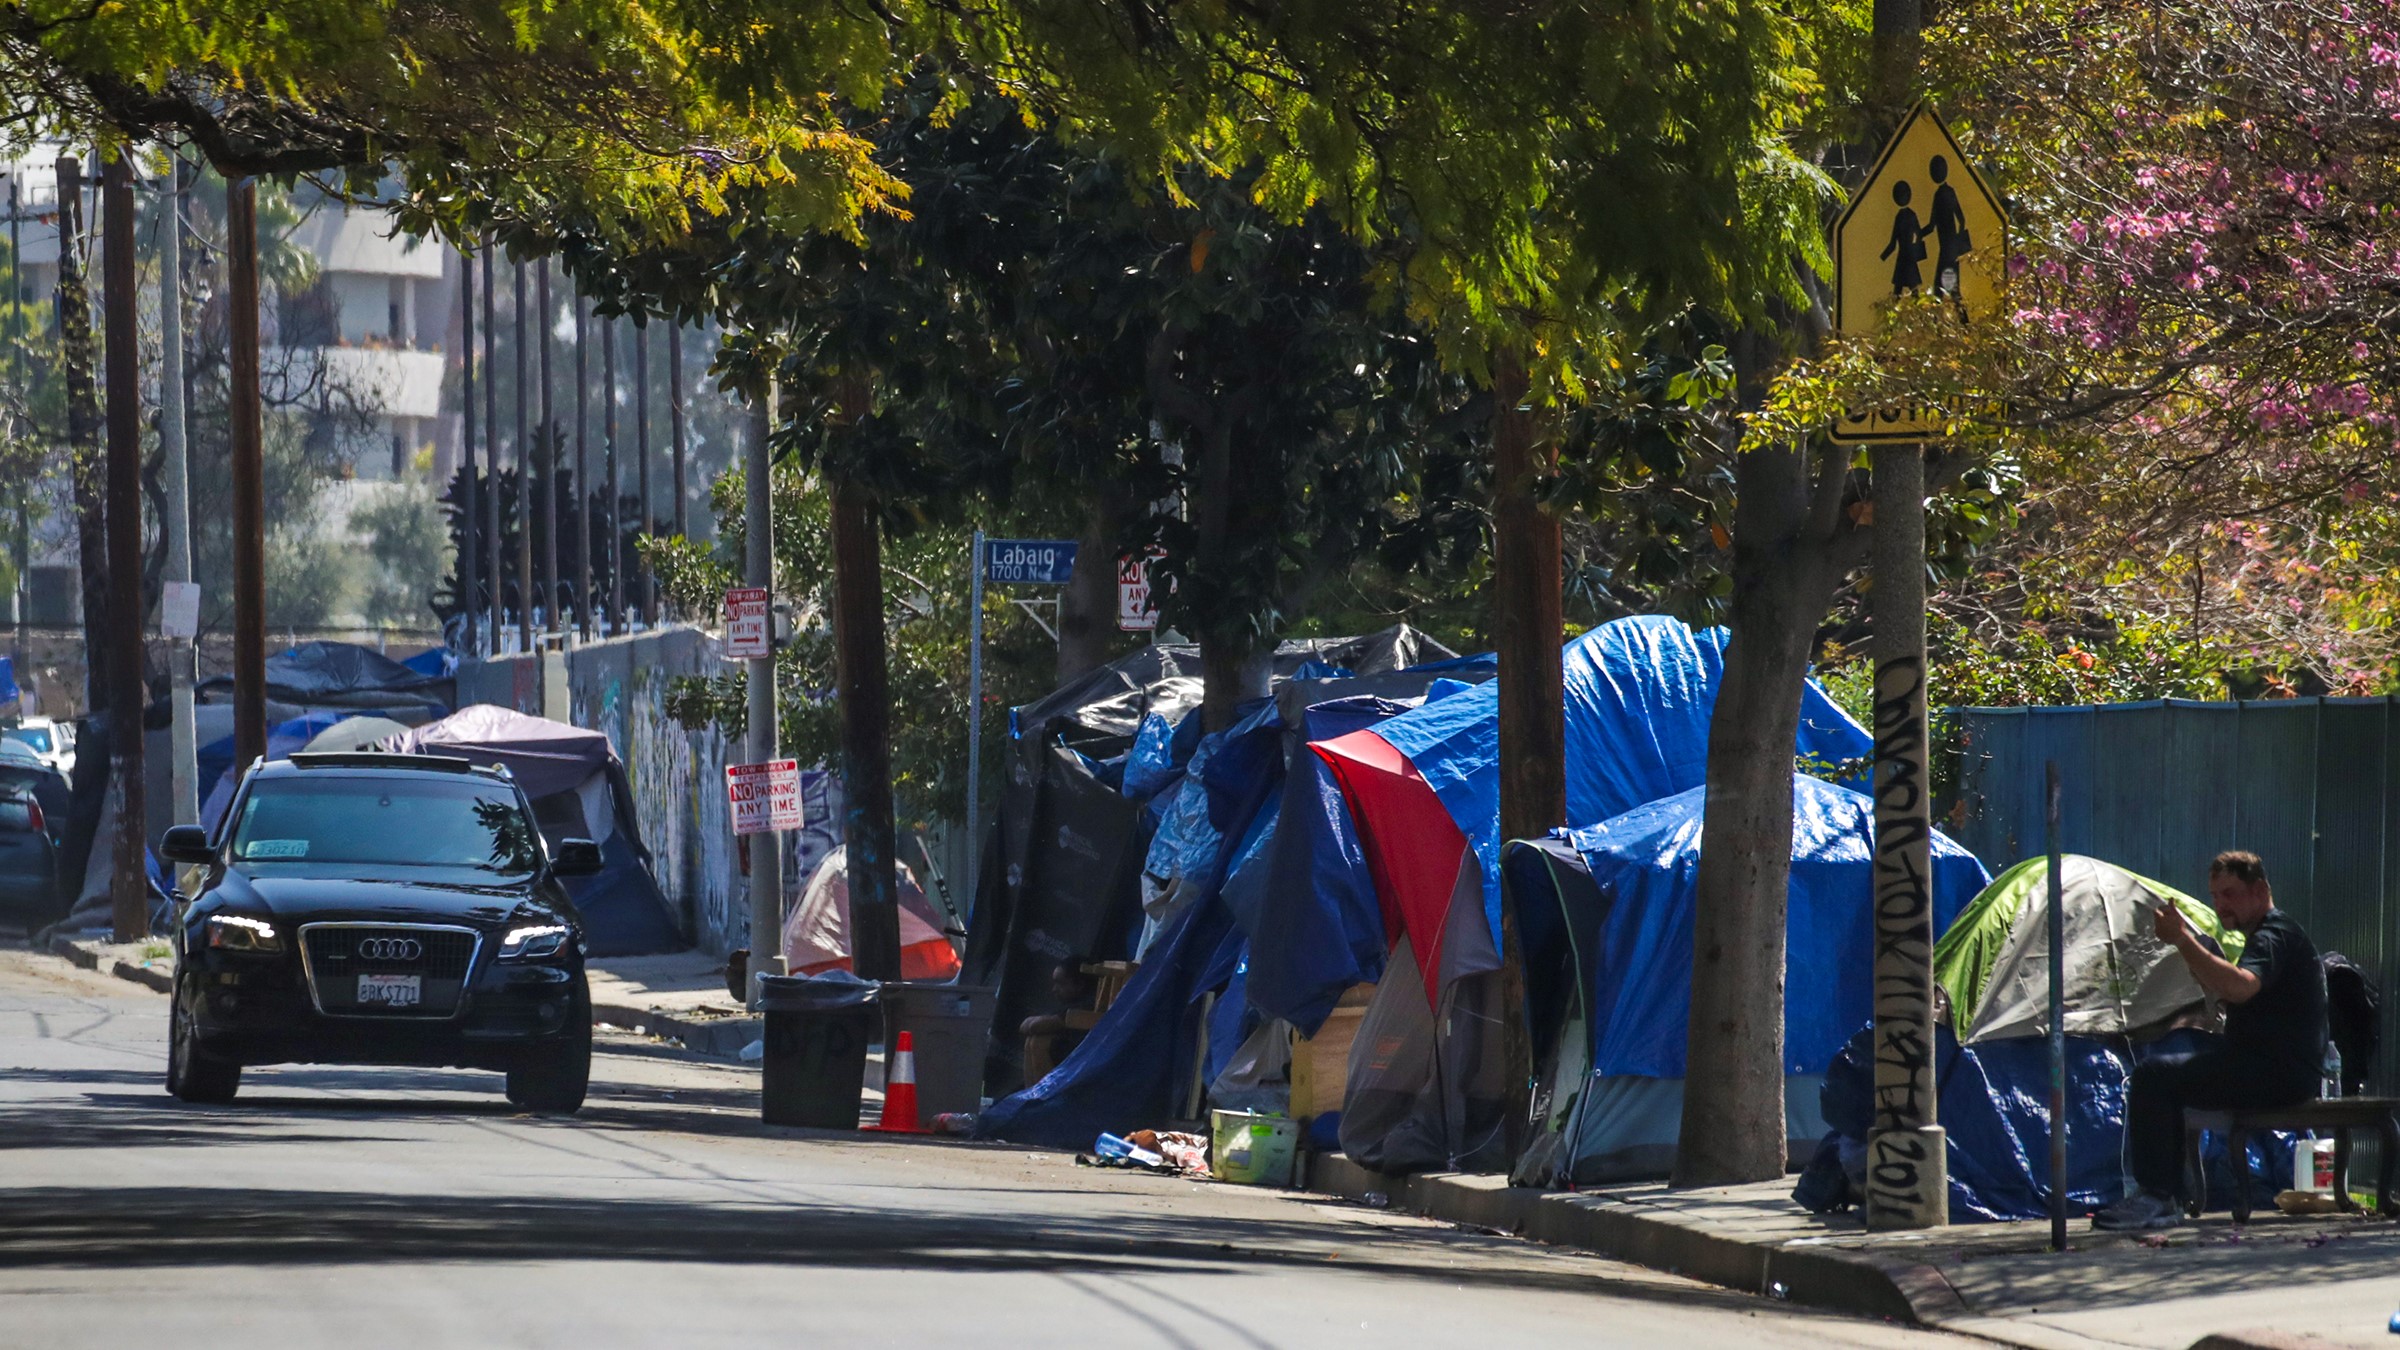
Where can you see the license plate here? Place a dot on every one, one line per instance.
(390, 991)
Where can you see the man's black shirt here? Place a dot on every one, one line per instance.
(2284, 1022)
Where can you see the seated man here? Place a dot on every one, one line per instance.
(2273, 1053)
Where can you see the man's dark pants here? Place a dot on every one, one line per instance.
(2213, 1079)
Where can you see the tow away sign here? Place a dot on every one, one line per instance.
(1136, 613)
(764, 796)
(745, 623)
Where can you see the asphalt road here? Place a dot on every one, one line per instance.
(415, 1209)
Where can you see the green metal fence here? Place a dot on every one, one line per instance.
(2160, 788)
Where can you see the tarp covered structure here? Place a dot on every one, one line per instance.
(344, 674)
(1424, 788)
(1994, 963)
(1259, 910)
(1608, 923)
(578, 790)
(1063, 862)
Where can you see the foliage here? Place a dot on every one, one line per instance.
(406, 544)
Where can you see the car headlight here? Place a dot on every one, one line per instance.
(241, 933)
(539, 940)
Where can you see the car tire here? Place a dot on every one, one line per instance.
(552, 1080)
(193, 1074)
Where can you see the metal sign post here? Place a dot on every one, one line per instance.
(1020, 562)
(2058, 1020)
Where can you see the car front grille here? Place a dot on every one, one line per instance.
(336, 954)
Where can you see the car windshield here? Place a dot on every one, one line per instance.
(37, 737)
(386, 822)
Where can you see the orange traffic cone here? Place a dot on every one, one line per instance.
(900, 1091)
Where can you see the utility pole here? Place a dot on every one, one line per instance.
(975, 714)
(549, 513)
(183, 770)
(524, 473)
(675, 428)
(1906, 1138)
(470, 578)
(249, 476)
(1528, 626)
(16, 384)
(129, 881)
(83, 430)
(864, 687)
(491, 446)
(758, 557)
(641, 441)
(582, 494)
(616, 490)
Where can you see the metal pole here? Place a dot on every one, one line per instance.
(616, 491)
(758, 556)
(548, 318)
(183, 769)
(2058, 1023)
(129, 880)
(16, 385)
(581, 496)
(974, 718)
(470, 530)
(491, 445)
(675, 428)
(1907, 1157)
(249, 477)
(524, 512)
(641, 441)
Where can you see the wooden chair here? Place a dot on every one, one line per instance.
(1108, 981)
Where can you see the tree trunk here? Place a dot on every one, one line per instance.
(1087, 604)
(1784, 530)
(865, 689)
(127, 692)
(1528, 622)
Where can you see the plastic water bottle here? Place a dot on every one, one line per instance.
(1110, 1146)
(2332, 1086)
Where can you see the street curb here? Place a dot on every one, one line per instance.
(89, 958)
(1842, 1281)
(2261, 1338)
(717, 1037)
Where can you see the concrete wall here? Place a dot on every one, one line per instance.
(619, 687)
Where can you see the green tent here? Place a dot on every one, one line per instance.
(1994, 963)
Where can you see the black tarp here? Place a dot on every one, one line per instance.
(340, 674)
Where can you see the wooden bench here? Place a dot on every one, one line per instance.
(2340, 1115)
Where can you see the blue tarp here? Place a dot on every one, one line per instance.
(1646, 861)
(1639, 695)
(1995, 1110)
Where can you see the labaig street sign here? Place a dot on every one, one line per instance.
(1924, 223)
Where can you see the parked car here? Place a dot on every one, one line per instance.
(370, 908)
(28, 859)
(53, 741)
(20, 767)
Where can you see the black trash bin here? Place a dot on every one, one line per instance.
(815, 1066)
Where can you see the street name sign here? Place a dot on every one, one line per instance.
(764, 796)
(1135, 612)
(1924, 223)
(1029, 562)
(745, 623)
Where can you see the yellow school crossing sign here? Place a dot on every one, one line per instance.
(1923, 225)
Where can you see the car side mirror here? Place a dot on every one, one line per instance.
(186, 844)
(576, 858)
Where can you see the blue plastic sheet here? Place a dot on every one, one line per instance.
(1647, 862)
(1639, 693)
(1316, 927)
(1995, 1110)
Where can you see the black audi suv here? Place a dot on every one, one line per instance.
(371, 908)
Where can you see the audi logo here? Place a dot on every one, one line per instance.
(390, 949)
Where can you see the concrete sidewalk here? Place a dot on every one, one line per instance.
(2333, 1278)
(679, 996)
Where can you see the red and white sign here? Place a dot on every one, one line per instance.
(745, 623)
(1135, 611)
(764, 796)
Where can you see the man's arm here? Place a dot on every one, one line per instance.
(2222, 979)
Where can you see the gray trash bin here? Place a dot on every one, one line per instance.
(815, 1066)
(950, 1027)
